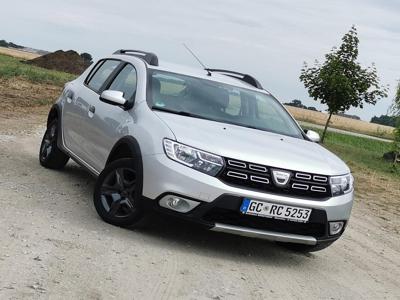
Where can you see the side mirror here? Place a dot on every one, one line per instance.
(113, 97)
(313, 136)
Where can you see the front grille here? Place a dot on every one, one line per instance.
(316, 226)
(259, 177)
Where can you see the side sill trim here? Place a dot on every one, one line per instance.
(80, 161)
(264, 234)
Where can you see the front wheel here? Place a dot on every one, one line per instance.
(50, 156)
(117, 193)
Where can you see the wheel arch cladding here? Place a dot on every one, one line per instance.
(54, 113)
(128, 147)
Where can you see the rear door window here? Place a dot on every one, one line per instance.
(101, 75)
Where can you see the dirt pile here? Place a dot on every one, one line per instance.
(65, 61)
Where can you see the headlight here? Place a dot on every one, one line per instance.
(341, 184)
(199, 160)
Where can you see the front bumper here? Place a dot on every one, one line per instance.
(265, 234)
(220, 203)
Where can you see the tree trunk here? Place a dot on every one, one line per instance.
(326, 127)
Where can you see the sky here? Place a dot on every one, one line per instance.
(269, 39)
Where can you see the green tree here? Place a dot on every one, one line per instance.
(87, 57)
(395, 110)
(340, 81)
(385, 120)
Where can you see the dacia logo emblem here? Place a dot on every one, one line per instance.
(281, 178)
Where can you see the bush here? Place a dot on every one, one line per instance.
(385, 120)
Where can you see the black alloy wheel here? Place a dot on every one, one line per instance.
(50, 156)
(117, 193)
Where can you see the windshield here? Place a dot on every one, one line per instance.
(206, 99)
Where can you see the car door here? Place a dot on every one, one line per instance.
(79, 112)
(109, 122)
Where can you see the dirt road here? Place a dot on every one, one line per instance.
(54, 246)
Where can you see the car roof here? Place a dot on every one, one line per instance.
(191, 71)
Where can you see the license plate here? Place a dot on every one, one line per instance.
(276, 211)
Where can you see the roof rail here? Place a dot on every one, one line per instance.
(148, 57)
(243, 77)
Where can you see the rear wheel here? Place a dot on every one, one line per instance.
(117, 193)
(50, 156)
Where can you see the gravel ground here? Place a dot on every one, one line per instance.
(54, 246)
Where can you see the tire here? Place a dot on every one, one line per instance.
(50, 156)
(306, 248)
(117, 193)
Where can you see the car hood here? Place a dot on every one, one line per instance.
(254, 145)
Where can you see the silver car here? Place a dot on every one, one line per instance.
(210, 146)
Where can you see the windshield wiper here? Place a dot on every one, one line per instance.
(180, 112)
(188, 114)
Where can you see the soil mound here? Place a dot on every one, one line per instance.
(65, 61)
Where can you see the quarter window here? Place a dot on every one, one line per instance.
(102, 74)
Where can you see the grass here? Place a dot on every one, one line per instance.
(361, 153)
(11, 67)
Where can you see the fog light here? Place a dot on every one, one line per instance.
(177, 203)
(335, 227)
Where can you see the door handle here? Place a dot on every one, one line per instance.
(92, 109)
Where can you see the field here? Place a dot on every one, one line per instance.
(18, 53)
(25, 86)
(12, 68)
(361, 154)
(339, 122)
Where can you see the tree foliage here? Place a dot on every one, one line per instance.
(385, 120)
(340, 81)
(4, 43)
(87, 57)
(395, 110)
(297, 103)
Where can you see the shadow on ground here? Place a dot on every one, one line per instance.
(175, 234)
